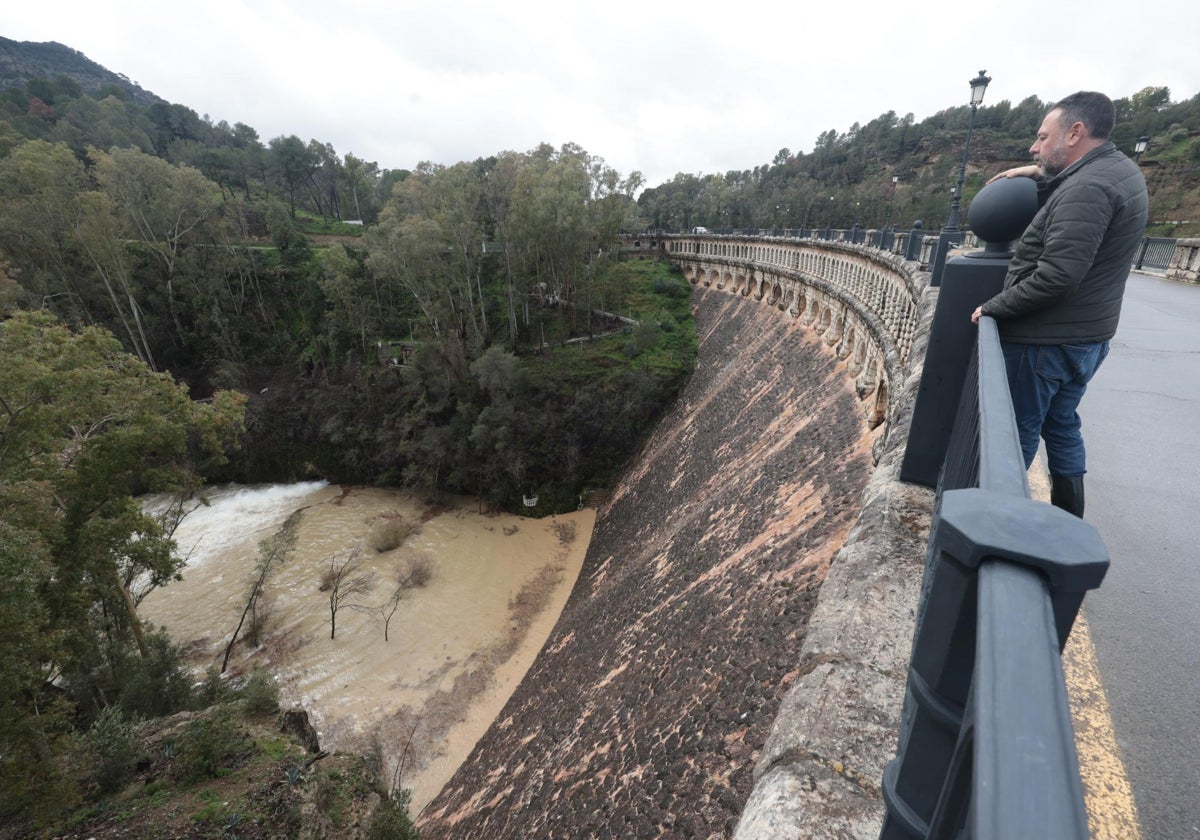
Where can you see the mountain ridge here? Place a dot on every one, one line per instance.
(21, 61)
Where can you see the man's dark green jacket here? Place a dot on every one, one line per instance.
(1068, 271)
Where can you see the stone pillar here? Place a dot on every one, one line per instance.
(1185, 262)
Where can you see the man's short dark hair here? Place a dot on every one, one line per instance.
(1094, 110)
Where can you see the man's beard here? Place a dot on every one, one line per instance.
(1053, 161)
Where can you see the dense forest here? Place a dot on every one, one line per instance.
(895, 170)
(182, 302)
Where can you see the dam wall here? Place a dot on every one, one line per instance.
(695, 684)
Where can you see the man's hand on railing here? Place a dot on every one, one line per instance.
(976, 315)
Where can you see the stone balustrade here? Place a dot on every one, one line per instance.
(862, 301)
(1185, 262)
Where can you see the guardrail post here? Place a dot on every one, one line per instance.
(971, 526)
(916, 238)
(969, 281)
(1141, 257)
(947, 239)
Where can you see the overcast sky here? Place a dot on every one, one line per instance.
(657, 85)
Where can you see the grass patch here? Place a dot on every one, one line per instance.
(314, 224)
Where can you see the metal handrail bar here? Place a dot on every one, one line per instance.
(986, 746)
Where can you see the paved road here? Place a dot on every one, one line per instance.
(1141, 421)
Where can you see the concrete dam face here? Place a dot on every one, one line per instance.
(644, 714)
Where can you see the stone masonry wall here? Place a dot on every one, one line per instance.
(820, 771)
(647, 711)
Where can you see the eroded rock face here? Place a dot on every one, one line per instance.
(645, 713)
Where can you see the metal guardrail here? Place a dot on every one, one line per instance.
(986, 748)
(1155, 254)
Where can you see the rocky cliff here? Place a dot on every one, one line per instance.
(647, 709)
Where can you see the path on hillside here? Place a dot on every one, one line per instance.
(1140, 420)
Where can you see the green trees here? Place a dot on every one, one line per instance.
(548, 211)
(84, 428)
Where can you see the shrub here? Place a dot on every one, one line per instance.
(389, 534)
(672, 287)
(205, 745)
(419, 572)
(111, 741)
(260, 694)
(157, 684)
(214, 689)
(390, 819)
(646, 334)
(565, 531)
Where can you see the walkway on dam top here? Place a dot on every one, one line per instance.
(1140, 422)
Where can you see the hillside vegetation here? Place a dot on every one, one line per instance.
(848, 177)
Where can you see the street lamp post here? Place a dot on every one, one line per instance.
(887, 221)
(951, 234)
(891, 200)
(978, 86)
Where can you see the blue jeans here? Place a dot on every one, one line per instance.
(1047, 382)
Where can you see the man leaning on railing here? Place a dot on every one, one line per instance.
(1062, 295)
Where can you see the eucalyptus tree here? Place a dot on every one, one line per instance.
(566, 207)
(499, 191)
(169, 211)
(354, 304)
(406, 255)
(548, 223)
(429, 240)
(39, 186)
(65, 242)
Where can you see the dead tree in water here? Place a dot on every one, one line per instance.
(416, 573)
(273, 552)
(344, 580)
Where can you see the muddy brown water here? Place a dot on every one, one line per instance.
(457, 646)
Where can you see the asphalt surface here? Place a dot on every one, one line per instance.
(1141, 424)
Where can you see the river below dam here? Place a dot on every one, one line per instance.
(457, 647)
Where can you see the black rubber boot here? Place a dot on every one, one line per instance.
(1067, 493)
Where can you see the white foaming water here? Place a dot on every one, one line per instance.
(238, 514)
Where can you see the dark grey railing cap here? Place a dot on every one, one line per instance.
(1003, 209)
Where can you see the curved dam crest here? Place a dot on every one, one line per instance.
(650, 703)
